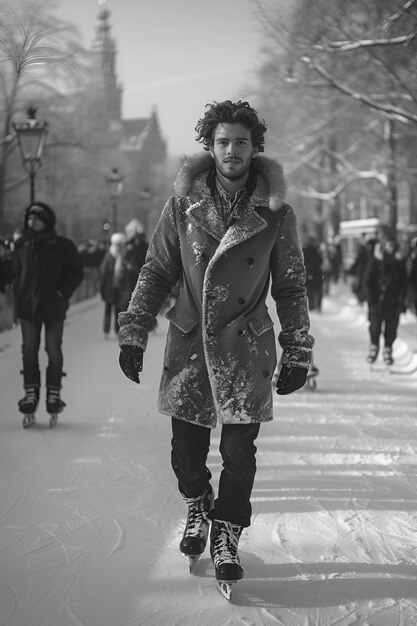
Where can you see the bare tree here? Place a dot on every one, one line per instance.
(342, 69)
(40, 57)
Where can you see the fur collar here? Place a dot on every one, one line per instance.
(272, 193)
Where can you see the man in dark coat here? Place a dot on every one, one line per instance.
(225, 235)
(46, 269)
(385, 282)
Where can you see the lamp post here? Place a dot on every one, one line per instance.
(115, 186)
(31, 136)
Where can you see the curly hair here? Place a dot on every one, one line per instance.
(229, 112)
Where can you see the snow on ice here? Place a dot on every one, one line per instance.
(91, 518)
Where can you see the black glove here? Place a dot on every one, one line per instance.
(131, 361)
(291, 379)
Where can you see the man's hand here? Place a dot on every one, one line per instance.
(131, 361)
(291, 379)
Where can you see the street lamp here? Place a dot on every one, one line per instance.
(115, 186)
(31, 136)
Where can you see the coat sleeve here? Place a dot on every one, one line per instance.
(157, 278)
(288, 290)
(371, 277)
(73, 273)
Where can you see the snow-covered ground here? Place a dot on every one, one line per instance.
(91, 517)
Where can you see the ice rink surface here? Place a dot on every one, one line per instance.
(90, 516)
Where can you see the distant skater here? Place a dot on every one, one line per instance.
(385, 283)
(46, 270)
(118, 275)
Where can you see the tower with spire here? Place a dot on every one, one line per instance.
(138, 142)
(104, 78)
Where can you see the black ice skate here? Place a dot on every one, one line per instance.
(372, 354)
(28, 406)
(194, 540)
(387, 356)
(312, 374)
(54, 405)
(224, 540)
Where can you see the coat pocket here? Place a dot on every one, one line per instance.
(262, 348)
(179, 347)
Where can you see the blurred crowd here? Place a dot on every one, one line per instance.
(324, 266)
(110, 267)
(383, 276)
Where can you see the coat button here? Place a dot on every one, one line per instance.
(241, 300)
(241, 332)
(251, 262)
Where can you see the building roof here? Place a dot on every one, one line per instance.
(134, 131)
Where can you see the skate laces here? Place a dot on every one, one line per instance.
(54, 398)
(31, 395)
(387, 355)
(226, 543)
(373, 353)
(197, 520)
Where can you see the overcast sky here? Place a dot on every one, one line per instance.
(177, 55)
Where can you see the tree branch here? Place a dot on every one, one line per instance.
(393, 112)
(347, 46)
(334, 193)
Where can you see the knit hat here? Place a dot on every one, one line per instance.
(42, 212)
(118, 238)
(117, 243)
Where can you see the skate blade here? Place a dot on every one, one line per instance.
(192, 561)
(53, 420)
(225, 588)
(29, 420)
(311, 382)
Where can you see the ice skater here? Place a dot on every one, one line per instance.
(386, 282)
(226, 235)
(46, 269)
(118, 275)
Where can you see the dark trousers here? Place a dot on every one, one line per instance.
(190, 447)
(31, 339)
(390, 323)
(109, 310)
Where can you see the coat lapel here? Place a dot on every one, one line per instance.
(203, 213)
(247, 224)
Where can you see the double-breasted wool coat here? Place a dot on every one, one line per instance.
(220, 352)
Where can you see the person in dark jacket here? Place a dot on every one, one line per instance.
(136, 244)
(357, 269)
(118, 274)
(226, 236)
(46, 269)
(413, 274)
(5, 266)
(385, 283)
(313, 261)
